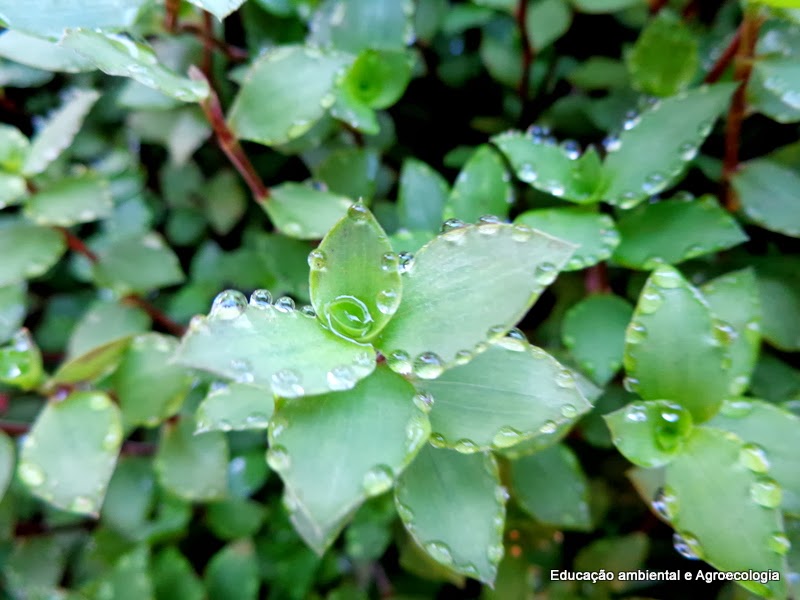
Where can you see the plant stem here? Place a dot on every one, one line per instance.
(596, 279)
(231, 52)
(528, 55)
(228, 142)
(743, 68)
(657, 5)
(207, 36)
(76, 244)
(171, 16)
(156, 314)
(725, 58)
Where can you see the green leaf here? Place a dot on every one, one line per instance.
(235, 518)
(552, 487)
(57, 133)
(723, 512)
(779, 286)
(218, 8)
(193, 467)
(355, 114)
(594, 331)
(27, 250)
(12, 189)
(273, 346)
(232, 573)
(174, 577)
(365, 438)
(650, 434)
(181, 131)
(673, 231)
(7, 462)
(764, 189)
(547, 20)
(299, 84)
(14, 147)
(235, 407)
(303, 212)
(21, 362)
(599, 73)
(775, 380)
(378, 79)
(150, 388)
(615, 555)
(422, 196)
(79, 199)
(350, 172)
(105, 322)
(536, 393)
(129, 579)
(12, 309)
(35, 565)
(665, 58)
(481, 188)
(654, 148)
(226, 202)
(424, 496)
(558, 170)
(593, 233)
(465, 288)
(120, 56)
(130, 497)
(765, 429)
(69, 455)
(603, 6)
(247, 473)
(137, 264)
(49, 18)
(355, 284)
(672, 314)
(354, 25)
(41, 54)
(734, 298)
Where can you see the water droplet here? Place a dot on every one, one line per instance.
(766, 492)
(308, 311)
(287, 383)
(377, 480)
(723, 333)
(317, 260)
(23, 341)
(82, 504)
(406, 262)
(687, 151)
(554, 187)
(672, 427)
(278, 459)
(99, 402)
(736, 408)
(406, 514)
(348, 316)
(521, 233)
(440, 552)
(666, 278)
(687, 545)
(666, 503)
(568, 411)
(462, 357)
(341, 378)
(514, 340)
(650, 301)
(112, 439)
(571, 149)
(465, 446)
(387, 301)
(428, 365)
(358, 212)
(495, 553)
(284, 304)
(636, 413)
(754, 457)
(653, 183)
(545, 273)
(257, 420)
(527, 173)
(390, 262)
(565, 379)
(242, 370)
(32, 475)
(631, 384)
(452, 224)
(612, 143)
(506, 437)
(198, 325)
(501, 493)
(424, 401)
(636, 333)
(537, 132)
(417, 430)
(632, 119)
(399, 361)
(779, 543)
(228, 305)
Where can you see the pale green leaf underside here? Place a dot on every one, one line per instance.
(304, 213)
(552, 487)
(465, 282)
(218, 8)
(766, 192)
(137, 264)
(49, 18)
(715, 506)
(673, 231)
(120, 56)
(41, 54)
(770, 428)
(287, 352)
(672, 314)
(482, 188)
(467, 535)
(68, 457)
(298, 83)
(593, 233)
(80, 199)
(364, 438)
(235, 407)
(27, 250)
(502, 397)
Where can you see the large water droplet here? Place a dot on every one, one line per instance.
(515, 340)
(687, 545)
(687, 151)
(387, 301)
(631, 384)
(653, 183)
(545, 273)
(341, 378)
(465, 446)
(284, 304)
(261, 299)
(527, 173)
(548, 427)
(452, 224)
(406, 262)
(766, 492)
(612, 143)
(672, 427)
(228, 305)
(440, 552)
(571, 149)
(666, 278)
(568, 411)
(565, 379)
(82, 504)
(666, 503)
(348, 316)
(287, 383)
(32, 475)
(736, 408)
(495, 553)
(506, 437)
(317, 260)
(424, 401)
(779, 543)
(377, 480)
(399, 361)
(754, 457)
(650, 301)
(278, 458)
(428, 365)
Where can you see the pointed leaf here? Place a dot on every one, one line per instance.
(174, 577)
(547, 20)
(351, 172)
(510, 393)
(149, 387)
(80, 199)
(193, 467)
(27, 250)
(235, 407)
(594, 331)
(365, 438)
(7, 462)
(552, 487)
(423, 193)
(120, 56)
(734, 298)
(302, 212)
(424, 497)
(49, 18)
(675, 348)
(21, 362)
(219, 8)
(766, 429)
(466, 287)
(650, 434)
(58, 131)
(723, 512)
(378, 79)
(129, 579)
(138, 264)
(482, 188)
(654, 147)
(765, 191)
(550, 168)
(673, 231)
(232, 573)
(299, 84)
(275, 347)
(12, 189)
(69, 455)
(593, 233)
(354, 25)
(105, 322)
(774, 380)
(234, 518)
(41, 54)
(355, 284)
(14, 146)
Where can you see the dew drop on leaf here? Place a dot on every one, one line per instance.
(754, 457)
(766, 492)
(687, 545)
(440, 552)
(278, 458)
(428, 365)
(228, 305)
(378, 480)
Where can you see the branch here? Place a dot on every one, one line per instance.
(742, 71)
(528, 54)
(228, 142)
(156, 314)
(596, 279)
(171, 15)
(725, 58)
(76, 244)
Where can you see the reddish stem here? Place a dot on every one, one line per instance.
(228, 142)
(743, 68)
(596, 279)
(527, 53)
(231, 52)
(76, 244)
(171, 16)
(156, 314)
(725, 58)
(657, 5)
(208, 45)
